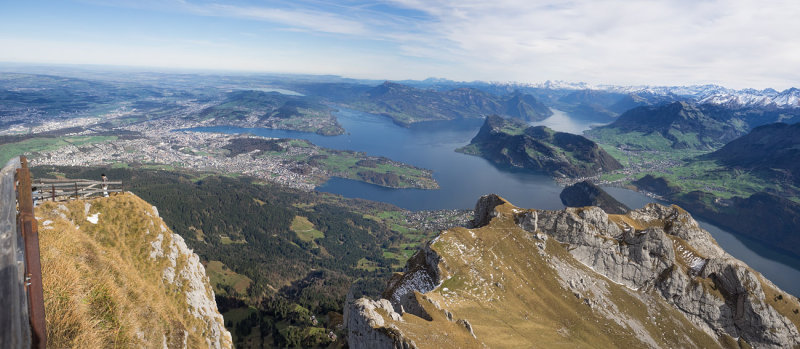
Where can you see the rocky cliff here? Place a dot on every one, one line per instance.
(577, 277)
(510, 142)
(115, 276)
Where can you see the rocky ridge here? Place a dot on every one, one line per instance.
(577, 277)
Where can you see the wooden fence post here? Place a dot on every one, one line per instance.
(30, 233)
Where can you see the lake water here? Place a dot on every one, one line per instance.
(464, 178)
(561, 121)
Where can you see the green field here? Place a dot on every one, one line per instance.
(223, 278)
(399, 252)
(635, 140)
(305, 229)
(226, 240)
(356, 166)
(685, 168)
(724, 182)
(33, 145)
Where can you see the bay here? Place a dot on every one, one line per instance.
(464, 178)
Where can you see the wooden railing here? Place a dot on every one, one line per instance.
(22, 321)
(69, 189)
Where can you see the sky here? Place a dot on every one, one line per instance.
(734, 43)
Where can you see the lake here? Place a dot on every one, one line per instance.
(464, 178)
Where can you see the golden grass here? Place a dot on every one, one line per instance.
(512, 297)
(101, 288)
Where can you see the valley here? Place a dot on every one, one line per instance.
(303, 163)
(399, 174)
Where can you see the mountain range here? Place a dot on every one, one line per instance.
(407, 105)
(678, 125)
(704, 94)
(682, 125)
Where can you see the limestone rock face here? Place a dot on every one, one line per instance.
(663, 249)
(484, 209)
(366, 330)
(521, 278)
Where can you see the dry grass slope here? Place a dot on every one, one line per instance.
(102, 288)
(515, 290)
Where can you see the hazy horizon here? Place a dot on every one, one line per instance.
(736, 44)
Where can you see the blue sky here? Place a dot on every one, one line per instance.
(736, 43)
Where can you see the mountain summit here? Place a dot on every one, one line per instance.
(577, 277)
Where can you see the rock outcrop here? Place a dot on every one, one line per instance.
(577, 277)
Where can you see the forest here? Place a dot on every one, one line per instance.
(298, 282)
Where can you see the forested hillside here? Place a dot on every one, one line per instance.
(275, 256)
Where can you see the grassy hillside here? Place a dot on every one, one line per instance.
(38, 144)
(106, 269)
(677, 125)
(275, 249)
(518, 290)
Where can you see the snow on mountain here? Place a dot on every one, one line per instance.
(790, 97)
(711, 94)
(551, 85)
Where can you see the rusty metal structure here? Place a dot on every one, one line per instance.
(22, 321)
(69, 189)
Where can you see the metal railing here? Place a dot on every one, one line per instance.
(69, 189)
(22, 321)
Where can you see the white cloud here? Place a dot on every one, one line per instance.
(308, 20)
(736, 42)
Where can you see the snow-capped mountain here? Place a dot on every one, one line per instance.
(749, 97)
(711, 94)
(703, 94)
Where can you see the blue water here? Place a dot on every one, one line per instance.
(464, 178)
